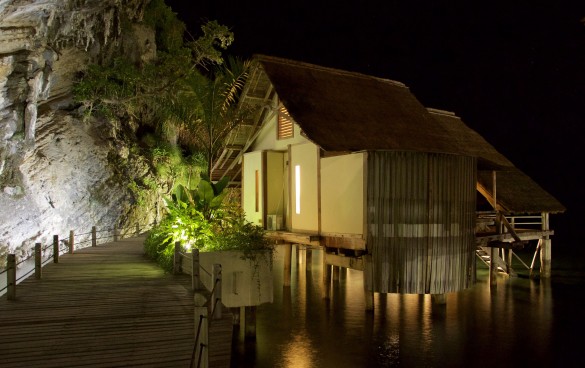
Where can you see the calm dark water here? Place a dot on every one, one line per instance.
(521, 323)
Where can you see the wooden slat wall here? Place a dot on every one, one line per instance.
(420, 217)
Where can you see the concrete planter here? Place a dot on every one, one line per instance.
(245, 282)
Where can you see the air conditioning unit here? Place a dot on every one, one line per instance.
(274, 222)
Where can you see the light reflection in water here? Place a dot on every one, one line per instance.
(513, 324)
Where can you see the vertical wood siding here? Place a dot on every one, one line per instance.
(421, 210)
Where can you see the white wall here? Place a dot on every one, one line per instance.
(267, 138)
(306, 156)
(342, 194)
(252, 162)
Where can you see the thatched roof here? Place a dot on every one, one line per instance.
(470, 142)
(345, 111)
(516, 192)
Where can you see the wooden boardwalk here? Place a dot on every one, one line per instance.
(106, 306)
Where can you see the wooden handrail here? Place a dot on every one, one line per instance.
(38, 255)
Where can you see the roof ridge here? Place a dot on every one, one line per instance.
(441, 112)
(327, 69)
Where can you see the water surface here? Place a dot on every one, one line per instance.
(520, 323)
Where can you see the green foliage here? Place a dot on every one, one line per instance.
(206, 199)
(243, 236)
(175, 169)
(199, 218)
(215, 36)
(182, 105)
(207, 110)
(169, 29)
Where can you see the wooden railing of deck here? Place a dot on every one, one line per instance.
(60, 245)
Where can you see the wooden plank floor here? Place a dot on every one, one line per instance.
(106, 306)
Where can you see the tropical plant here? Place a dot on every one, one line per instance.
(199, 218)
(207, 198)
(207, 111)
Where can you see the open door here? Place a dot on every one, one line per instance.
(263, 188)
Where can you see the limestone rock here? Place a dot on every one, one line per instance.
(55, 173)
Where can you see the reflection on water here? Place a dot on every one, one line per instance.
(520, 323)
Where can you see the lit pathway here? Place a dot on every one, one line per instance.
(106, 306)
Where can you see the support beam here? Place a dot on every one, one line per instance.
(493, 267)
(250, 327)
(369, 282)
(308, 259)
(287, 264)
(509, 268)
(439, 299)
(326, 276)
(545, 251)
(355, 263)
(335, 276)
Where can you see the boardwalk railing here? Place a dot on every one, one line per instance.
(208, 304)
(43, 255)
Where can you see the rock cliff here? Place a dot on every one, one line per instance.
(56, 171)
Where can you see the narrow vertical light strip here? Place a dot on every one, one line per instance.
(257, 192)
(298, 189)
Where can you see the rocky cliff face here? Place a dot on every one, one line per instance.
(56, 170)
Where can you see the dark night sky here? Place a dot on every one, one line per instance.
(514, 72)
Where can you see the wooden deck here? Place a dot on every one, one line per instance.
(106, 306)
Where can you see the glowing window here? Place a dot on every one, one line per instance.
(298, 189)
(257, 191)
(285, 124)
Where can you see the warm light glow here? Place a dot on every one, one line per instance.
(257, 191)
(298, 189)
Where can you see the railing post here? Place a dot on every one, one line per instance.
(216, 295)
(115, 233)
(55, 248)
(177, 259)
(195, 277)
(93, 236)
(137, 229)
(200, 353)
(38, 261)
(71, 241)
(11, 277)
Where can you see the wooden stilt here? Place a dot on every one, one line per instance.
(309, 259)
(545, 250)
(236, 315)
(287, 263)
(250, 328)
(368, 283)
(326, 277)
(336, 270)
(509, 270)
(439, 299)
(493, 267)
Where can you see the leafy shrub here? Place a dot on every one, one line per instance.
(199, 219)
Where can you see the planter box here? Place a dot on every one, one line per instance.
(245, 282)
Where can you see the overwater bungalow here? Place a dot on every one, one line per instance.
(357, 165)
